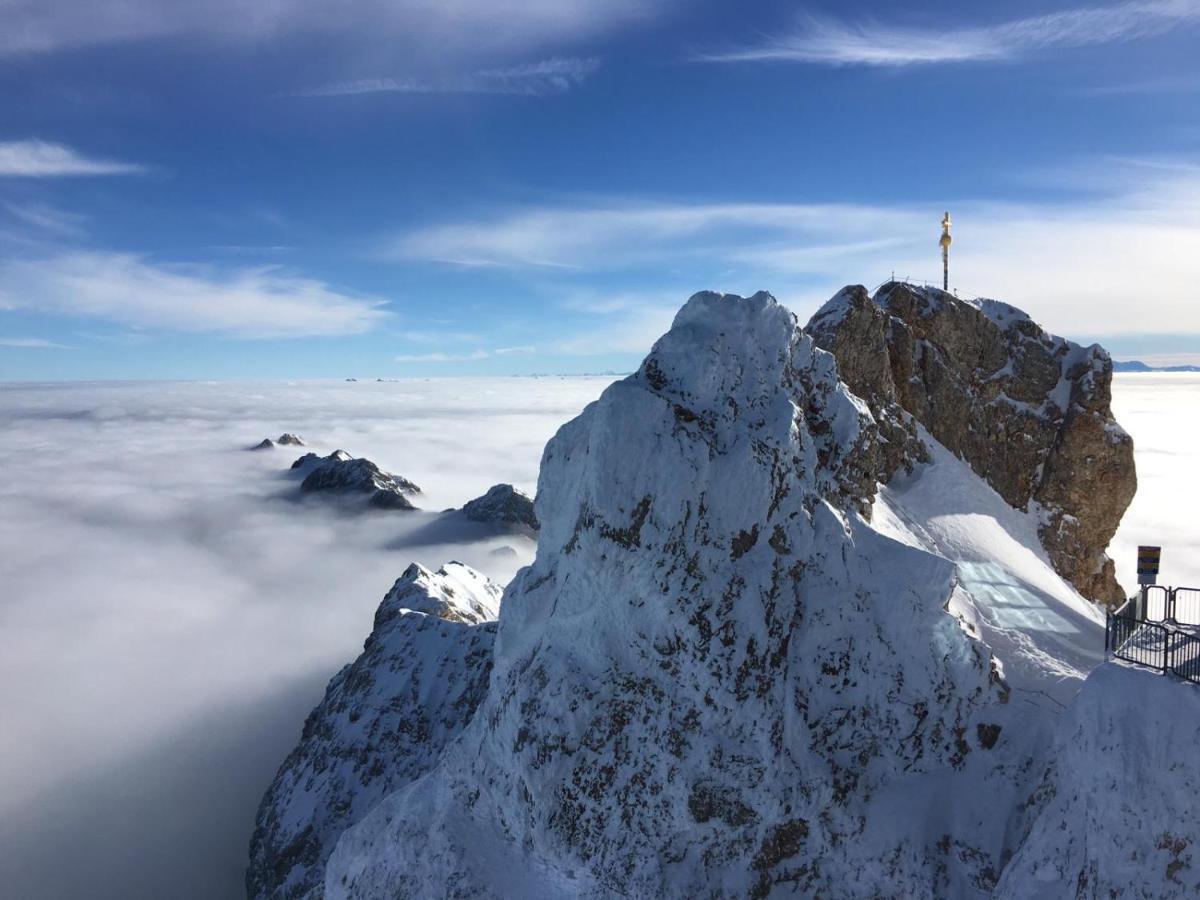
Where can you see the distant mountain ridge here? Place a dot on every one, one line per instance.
(1136, 365)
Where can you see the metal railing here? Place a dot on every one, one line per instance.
(1185, 606)
(1184, 656)
(1131, 634)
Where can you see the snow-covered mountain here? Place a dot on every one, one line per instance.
(384, 721)
(778, 640)
(339, 473)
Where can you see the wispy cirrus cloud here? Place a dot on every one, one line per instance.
(47, 218)
(466, 356)
(832, 41)
(27, 343)
(448, 29)
(43, 159)
(539, 79)
(131, 290)
(1128, 229)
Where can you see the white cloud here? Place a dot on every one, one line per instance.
(41, 159)
(434, 336)
(831, 41)
(1118, 261)
(549, 76)
(468, 356)
(31, 343)
(130, 290)
(439, 357)
(47, 218)
(454, 27)
(171, 612)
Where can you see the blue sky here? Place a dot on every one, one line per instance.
(189, 190)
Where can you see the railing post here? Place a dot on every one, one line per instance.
(1167, 652)
(1169, 605)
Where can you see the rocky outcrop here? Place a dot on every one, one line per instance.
(1030, 412)
(384, 721)
(503, 504)
(287, 439)
(339, 473)
(716, 679)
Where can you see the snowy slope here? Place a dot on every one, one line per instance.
(1119, 801)
(1045, 636)
(384, 721)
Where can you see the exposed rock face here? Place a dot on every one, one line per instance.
(384, 720)
(503, 504)
(1028, 411)
(715, 678)
(341, 473)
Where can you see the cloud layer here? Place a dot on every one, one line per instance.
(40, 159)
(169, 612)
(830, 41)
(131, 290)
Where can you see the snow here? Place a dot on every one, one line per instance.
(1118, 805)
(1045, 634)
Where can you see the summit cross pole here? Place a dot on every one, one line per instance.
(945, 242)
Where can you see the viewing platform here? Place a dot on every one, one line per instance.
(1159, 629)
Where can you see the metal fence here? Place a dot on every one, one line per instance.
(1183, 658)
(1137, 641)
(1185, 606)
(1162, 645)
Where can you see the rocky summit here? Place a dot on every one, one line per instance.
(339, 473)
(503, 504)
(779, 640)
(1030, 412)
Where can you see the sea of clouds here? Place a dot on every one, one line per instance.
(170, 611)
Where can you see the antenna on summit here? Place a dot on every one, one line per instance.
(945, 242)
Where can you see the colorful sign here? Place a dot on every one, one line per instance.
(1147, 568)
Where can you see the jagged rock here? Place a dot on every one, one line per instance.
(384, 720)
(1030, 412)
(285, 439)
(341, 473)
(503, 504)
(716, 679)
